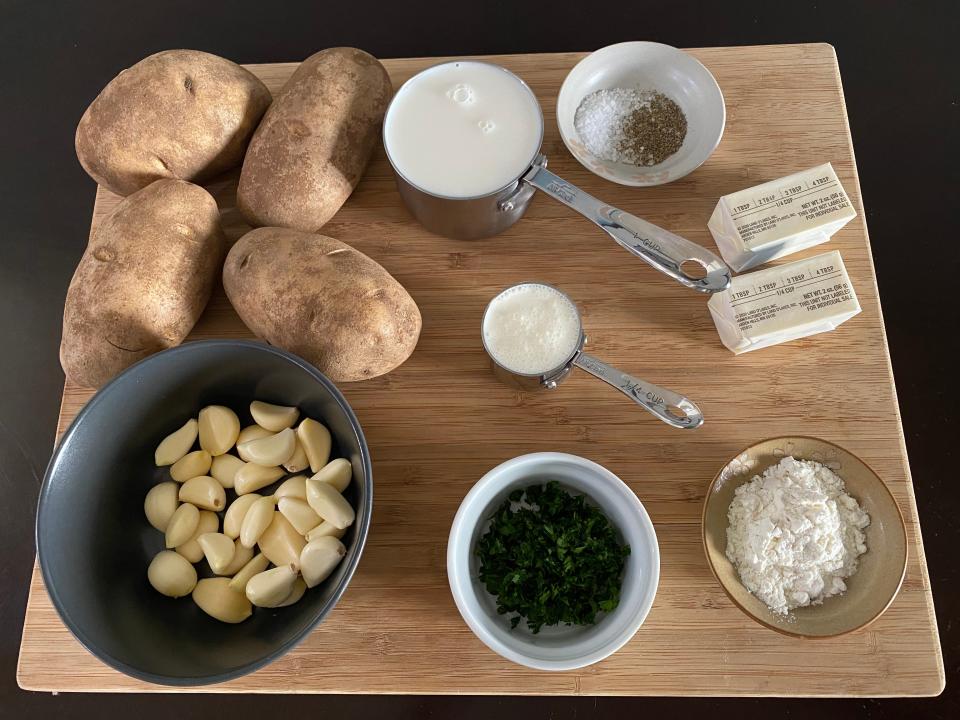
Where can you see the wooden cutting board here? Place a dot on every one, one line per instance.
(440, 421)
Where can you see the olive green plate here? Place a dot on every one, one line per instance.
(869, 591)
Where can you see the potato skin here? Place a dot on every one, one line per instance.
(323, 300)
(143, 280)
(180, 114)
(315, 141)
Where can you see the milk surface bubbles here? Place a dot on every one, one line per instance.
(463, 129)
(531, 329)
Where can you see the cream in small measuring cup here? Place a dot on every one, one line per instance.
(531, 329)
(532, 332)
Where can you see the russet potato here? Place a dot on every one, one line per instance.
(315, 141)
(143, 280)
(323, 300)
(181, 114)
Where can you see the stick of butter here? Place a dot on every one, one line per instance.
(784, 303)
(780, 217)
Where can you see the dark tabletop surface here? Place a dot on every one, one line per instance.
(899, 68)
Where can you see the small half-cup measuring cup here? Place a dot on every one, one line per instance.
(670, 407)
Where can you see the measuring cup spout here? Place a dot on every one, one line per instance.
(686, 262)
(672, 408)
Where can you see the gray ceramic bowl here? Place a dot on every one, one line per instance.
(94, 542)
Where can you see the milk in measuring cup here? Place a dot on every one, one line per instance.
(463, 129)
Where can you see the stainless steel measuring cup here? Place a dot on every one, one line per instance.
(479, 217)
(670, 407)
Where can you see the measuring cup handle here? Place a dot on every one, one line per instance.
(673, 408)
(665, 251)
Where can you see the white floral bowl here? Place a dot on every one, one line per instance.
(555, 647)
(646, 66)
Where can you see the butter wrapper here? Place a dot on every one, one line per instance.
(780, 217)
(784, 303)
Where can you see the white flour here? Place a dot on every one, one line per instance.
(794, 534)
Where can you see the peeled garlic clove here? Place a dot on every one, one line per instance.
(224, 469)
(219, 427)
(241, 556)
(270, 450)
(299, 588)
(233, 518)
(191, 550)
(191, 465)
(161, 503)
(295, 487)
(205, 492)
(300, 515)
(329, 504)
(177, 444)
(254, 477)
(298, 461)
(318, 559)
(171, 575)
(337, 473)
(182, 525)
(257, 564)
(218, 550)
(315, 439)
(257, 519)
(271, 587)
(273, 417)
(218, 600)
(281, 542)
(325, 529)
(252, 432)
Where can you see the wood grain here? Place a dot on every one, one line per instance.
(441, 421)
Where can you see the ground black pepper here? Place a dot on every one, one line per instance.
(654, 131)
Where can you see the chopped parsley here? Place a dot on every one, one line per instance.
(555, 559)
